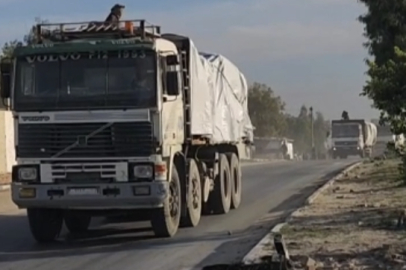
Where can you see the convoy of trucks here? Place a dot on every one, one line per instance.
(121, 119)
(352, 137)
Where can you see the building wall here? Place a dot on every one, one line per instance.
(10, 152)
(7, 150)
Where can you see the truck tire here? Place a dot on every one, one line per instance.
(45, 224)
(77, 223)
(165, 221)
(194, 197)
(235, 174)
(220, 199)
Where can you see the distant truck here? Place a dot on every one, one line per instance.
(386, 136)
(121, 120)
(353, 137)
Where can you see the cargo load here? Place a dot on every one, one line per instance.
(219, 96)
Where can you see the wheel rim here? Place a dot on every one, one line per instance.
(195, 193)
(173, 199)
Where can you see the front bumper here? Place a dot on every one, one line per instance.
(109, 196)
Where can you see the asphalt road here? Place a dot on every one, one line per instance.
(270, 191)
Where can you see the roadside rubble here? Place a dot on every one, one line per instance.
(356, 223)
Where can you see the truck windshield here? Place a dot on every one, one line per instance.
(118, 79)
(343, 131)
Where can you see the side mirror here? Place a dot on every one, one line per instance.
(5, 86)
(172, 83)
(172, 60)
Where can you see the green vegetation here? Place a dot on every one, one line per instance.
(268, 115)
(385, 30)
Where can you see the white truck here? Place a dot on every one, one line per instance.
(386, 136)
(121, 119)
(353, 137)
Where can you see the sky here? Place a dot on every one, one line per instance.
(308, 51)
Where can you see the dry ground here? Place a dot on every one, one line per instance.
(354, 223)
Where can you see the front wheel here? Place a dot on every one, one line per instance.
(165, 221)
(77, 223)
(45, 224)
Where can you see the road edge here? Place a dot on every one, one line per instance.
(347, 169)
(255, 254)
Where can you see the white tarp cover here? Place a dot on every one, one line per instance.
(371, 134)
(219, 96)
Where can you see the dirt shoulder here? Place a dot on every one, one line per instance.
(353, 223)
(5, 178)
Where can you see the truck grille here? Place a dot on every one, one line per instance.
(117, 140)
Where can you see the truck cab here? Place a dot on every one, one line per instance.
(353, 137)
(347, 139)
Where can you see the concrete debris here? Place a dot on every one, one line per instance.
(310, 264)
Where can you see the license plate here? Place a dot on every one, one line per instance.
(83, 191)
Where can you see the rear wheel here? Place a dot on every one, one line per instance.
(235, 175)
(194, 197)
(165, 221)
(77, 223)
(45, 224)
(220, 199)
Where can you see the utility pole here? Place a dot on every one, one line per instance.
(312, 130)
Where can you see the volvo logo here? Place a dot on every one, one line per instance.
(44, 118)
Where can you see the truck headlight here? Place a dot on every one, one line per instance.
(27, 174)
(143, 171)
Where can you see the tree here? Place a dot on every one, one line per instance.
(385, 29)
(266, 111)
(29, 38)
(320, 131)
(299, 129)
(302, 131)
(8, 48)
